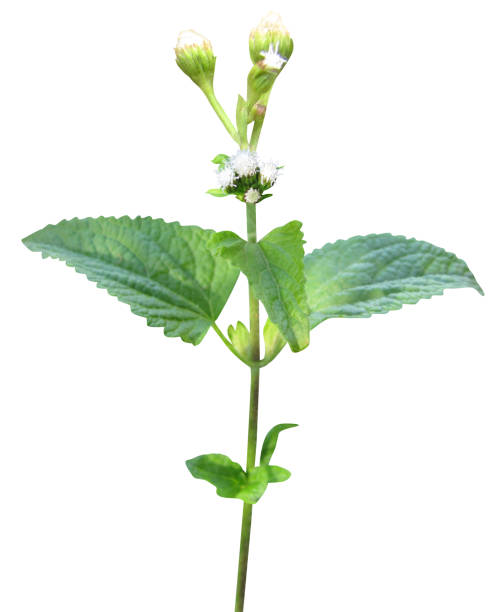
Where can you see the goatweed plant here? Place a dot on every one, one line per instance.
(180, 277)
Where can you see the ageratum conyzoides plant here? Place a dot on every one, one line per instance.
(180, 277)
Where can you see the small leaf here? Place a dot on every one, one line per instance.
(220, 159)
(217, 193)
(277, 474)
(227, 476)
(270, 441)
(377, 273)
(275, 268)
(240, 338)
(255, 486)
(164, 271)
(273, 340)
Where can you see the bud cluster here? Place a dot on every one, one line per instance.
(245, 175)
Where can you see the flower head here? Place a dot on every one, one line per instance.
(244, 163)
(225, 177)
(269, 171)
(244, 175)
(252, 196)
(195, 57)
(270, 32)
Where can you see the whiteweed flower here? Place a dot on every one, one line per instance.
(270, 48)
(270, 32)
(195, 57)
(244, 175)
(244, 163)
(252, 196)
(225, 177)
(269, 171)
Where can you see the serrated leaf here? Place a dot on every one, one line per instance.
(240, 338)
(275, 268)
(271, 440)
(164, 271)
(217, 193)
(227, 476)
(377, 273)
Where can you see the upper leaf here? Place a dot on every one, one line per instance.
(164, 271)
(274, 267)
(270, 441)
(372, 274)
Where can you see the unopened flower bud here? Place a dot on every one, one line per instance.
(195, 57)
(271, 40)
(252, 196)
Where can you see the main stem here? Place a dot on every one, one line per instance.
(252, 425)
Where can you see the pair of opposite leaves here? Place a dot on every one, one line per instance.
(180, 277)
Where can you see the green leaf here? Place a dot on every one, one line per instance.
(255, 486)
(377, 273)
(231, 481)
(273, 340)
(220, 159)
(270, 441)
(275, 268)
(217, 193)
(164, 271)
(277, 474)
(240, 338)
(227, 476)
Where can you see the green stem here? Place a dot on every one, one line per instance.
(252, 426)
(219, 110)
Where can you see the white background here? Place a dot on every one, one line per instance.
(385, 119)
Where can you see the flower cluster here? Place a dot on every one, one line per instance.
(244, 175)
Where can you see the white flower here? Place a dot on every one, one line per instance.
(272, 59)
(225, 177)
(252, 196)
(269, 171)
(244, 163)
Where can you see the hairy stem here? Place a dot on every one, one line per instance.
(252, 426)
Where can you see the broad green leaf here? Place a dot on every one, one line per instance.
(270, 441)
(217, 193)
(240, 338)
(227, 476)
(372, 274)
(277, 474)
(273, 340)
(275, 268)
(164, 271)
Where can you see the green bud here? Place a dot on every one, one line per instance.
(270, 38)
(195, 57)
(259, 82)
